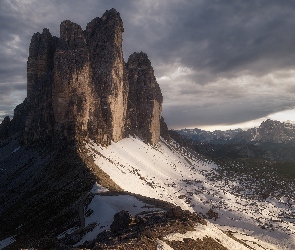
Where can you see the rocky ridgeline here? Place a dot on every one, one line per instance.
(269, 131)
(79, 87)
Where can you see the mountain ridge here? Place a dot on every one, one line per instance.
(272, 140)
(268, 131)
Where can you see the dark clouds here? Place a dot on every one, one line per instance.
(227, 36)
(217, 62)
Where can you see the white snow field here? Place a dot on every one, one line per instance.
(171, 173)
(105, 207)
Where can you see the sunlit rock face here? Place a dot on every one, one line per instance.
(108, 79)
(79, 87)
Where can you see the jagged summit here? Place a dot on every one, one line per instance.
(139, 59)
(112, 17)
(71, 36)
(80, 88)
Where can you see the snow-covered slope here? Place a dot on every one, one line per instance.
(172, 174)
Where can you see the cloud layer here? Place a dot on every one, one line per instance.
(217, 62)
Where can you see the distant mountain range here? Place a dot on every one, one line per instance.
(272, 140)
(268, 131)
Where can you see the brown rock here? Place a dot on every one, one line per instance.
(121, 221)
(78, 87)
(144, 99)
(71, 90)
(110, 88)
(212, 215)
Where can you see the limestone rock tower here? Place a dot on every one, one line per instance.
(79, 87)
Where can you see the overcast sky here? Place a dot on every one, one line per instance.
(218, 63)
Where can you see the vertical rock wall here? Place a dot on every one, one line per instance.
(71, 91)
(144, 99)
(39, 119)
(79, 87)
(104, 40)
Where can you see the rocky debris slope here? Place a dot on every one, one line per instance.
(40, 191)
(145, 230)
(126, 221)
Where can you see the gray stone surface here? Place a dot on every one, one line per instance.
(108, 78)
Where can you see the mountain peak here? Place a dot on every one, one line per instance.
(139, 60)
(79, 87)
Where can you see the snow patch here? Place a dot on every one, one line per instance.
(105, 207)
(161, 245)
(212, 231)
(6, 242)
(69, 231)
(15, 150)
(98, 189)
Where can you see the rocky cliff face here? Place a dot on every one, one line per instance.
(39, 118)
(71, 90)
(108, 78)
(78, 90)
(274, 131)
(79, 87)
(144, 98)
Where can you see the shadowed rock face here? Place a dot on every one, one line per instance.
(79, 87)
(144, 98)
(39, 119)
(71, 91)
